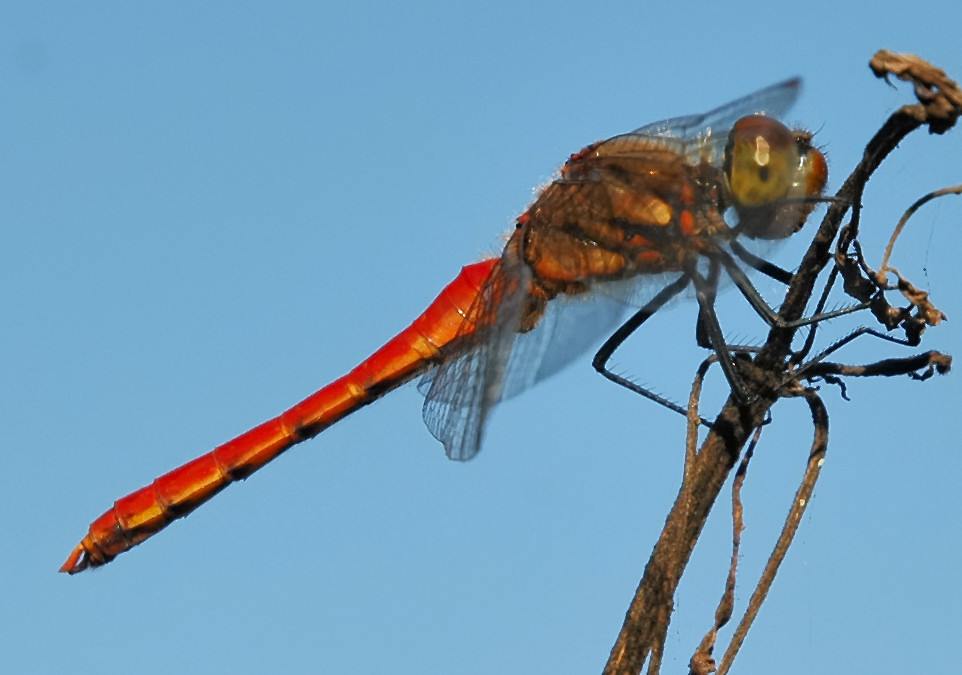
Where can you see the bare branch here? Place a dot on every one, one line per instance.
(702, 662)
(769, 377)
(802, 497)
(884, 266)
(928, 362)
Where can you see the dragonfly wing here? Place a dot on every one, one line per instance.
(462, 390)
(500, 361)
(570, 327)
(774, 101)
(703, 137)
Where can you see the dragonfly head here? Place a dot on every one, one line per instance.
(775, 177)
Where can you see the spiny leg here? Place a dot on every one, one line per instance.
(601, 358)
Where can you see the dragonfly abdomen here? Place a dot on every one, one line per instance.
(413, 351)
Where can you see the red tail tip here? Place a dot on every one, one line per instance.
(78, 561)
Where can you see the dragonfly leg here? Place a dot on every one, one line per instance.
(767, 268)
(755, 299)
(708, 331)
(600, 361)
(769, 315)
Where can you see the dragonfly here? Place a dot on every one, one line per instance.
(669, 200)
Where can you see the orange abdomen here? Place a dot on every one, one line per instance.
(416, 349)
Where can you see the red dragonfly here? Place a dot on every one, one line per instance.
(670, 198)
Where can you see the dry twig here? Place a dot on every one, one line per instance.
(770, 375)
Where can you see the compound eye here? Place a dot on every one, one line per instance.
(761, 161)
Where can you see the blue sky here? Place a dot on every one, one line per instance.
(208, 212)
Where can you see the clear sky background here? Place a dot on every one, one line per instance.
(209, 210)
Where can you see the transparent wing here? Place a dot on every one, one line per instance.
(703, 137)
(773, 101)
(569, 328)
(498, 361)
(463, 389)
